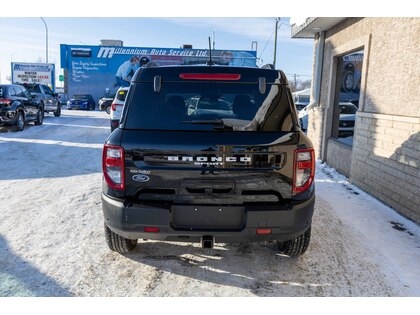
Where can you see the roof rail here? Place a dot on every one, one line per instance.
(268, 66)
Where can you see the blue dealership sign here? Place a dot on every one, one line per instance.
(25, 72)
(96, 70)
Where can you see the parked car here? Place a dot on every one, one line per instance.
(49, 100)
(18, 106)
(303, 118)
(81, 101)
(117, 106)
(174, 175)
(204, 105)
(105, 102)
(347, 119)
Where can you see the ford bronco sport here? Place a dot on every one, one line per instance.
(208, 154)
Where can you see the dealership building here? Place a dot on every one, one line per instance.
(374, 64)
(95, 70)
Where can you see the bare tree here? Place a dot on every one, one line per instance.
(292, 87)
(304, 84)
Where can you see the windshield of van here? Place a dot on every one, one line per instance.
(208, 106)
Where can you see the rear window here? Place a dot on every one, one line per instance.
(208, 106)
(81, 96)
(121, 95)
(33, 88)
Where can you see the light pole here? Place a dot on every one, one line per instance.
(46, 40)
(275, 39)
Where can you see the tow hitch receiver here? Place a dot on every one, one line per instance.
(207, 241)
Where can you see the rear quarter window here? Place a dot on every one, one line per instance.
(121, 95)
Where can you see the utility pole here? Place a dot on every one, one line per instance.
(294, 76)
(46, 41)
(275, 42)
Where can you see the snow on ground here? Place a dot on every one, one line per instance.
(52, 242)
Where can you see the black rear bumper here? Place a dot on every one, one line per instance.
(177, 223)
(7, 121)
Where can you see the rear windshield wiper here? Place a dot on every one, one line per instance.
(219, 124)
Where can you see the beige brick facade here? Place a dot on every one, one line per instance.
(385, 157)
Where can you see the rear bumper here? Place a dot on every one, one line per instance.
(7, 121)
(129, 221)
(72, 106)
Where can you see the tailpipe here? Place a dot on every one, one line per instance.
(207, 241)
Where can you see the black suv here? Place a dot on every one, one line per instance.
(210, 154)
(18, 106)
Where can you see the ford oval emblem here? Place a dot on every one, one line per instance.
(141, 178)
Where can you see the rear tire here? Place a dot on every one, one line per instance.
(118, 243)
(296, 246)
(39, 117)
(57, 113)
(20, 124)
(108, 110)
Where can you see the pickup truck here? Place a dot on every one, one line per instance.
(48, 100)
(208, 154)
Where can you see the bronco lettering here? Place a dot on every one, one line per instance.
(207, 159)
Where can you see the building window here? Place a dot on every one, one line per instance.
(349, 75)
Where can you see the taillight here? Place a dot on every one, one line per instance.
(210, 76)
(114, 106)
(304, 170)
(113, 166)
(5, 101)
(151, 229)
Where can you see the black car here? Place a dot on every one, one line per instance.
(105, 102)
(18, 106)
(240, 171)
(81, 101)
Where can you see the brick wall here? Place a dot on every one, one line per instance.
(339, 156)
(386, 160)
